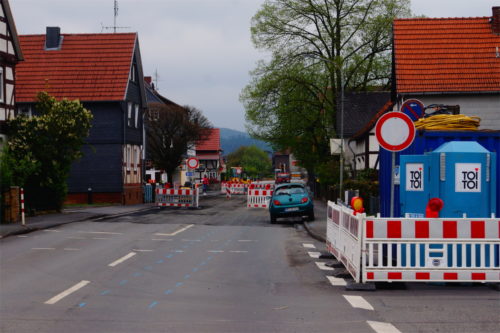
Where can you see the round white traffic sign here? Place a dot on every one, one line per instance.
(193, 163)
(395, 131)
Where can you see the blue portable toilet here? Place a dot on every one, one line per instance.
(461, 173)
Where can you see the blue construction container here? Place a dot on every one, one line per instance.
(428, 141)
(461, 173)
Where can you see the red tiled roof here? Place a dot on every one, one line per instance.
(88, 67)
(211, 143)
(446, 55)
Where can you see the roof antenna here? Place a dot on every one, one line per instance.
(115, 15)
(156, 78)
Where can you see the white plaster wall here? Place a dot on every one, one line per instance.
(485, 106)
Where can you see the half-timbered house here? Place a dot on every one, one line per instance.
(10, 55)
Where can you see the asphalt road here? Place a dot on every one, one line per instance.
(222, 268)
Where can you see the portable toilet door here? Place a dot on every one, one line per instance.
(416, 187)
(467, 179)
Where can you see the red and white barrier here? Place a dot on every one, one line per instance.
(23, 217)
(343, 237)
(414, 249)
(258, 198)
(177, 197)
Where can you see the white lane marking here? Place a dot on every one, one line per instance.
(322, 266)
(308, 246)
(43, 248)
(76, 237)
(122, 259)
(70, 249)
(51, 230)
(358, 302)
(315, 255)
(335, 281)
(22, 236)
(139, 250)
(161, 240)
(381, 327)
(238, 251)
(247, 240)
(100, 232)
(100, 238)
(191, 240)
(176, 232)
(215, 251)
(179, 251)
(67, 292)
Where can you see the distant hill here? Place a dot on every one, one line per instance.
(231, 140)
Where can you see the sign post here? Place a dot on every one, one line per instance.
(394, 131)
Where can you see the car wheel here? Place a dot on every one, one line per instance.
(273, 218)
(311, 215)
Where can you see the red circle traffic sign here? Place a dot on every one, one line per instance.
(395, 131)
(193, 163)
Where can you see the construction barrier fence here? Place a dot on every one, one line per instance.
(258, 198)
(414, 249)
(177, 197)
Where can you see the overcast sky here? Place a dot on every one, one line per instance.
(201, 49)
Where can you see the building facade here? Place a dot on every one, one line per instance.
(104, 72)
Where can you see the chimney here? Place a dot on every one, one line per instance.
(495, 20)
(53, 38)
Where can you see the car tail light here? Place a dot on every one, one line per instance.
(304, 200)
(277, 203)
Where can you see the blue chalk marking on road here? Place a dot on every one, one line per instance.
(185, 246)
(168, 292)
(148, 268)
(178, 284)
(210, 258)
(169, 256)
(81, 305)
(203, 263)
(123, 282)
(195, 270)
(105, 292)
(137, 274)
(160, 261)
(152, 305)
(187, 276)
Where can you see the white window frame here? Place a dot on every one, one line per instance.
(136, 115)
(129, 114)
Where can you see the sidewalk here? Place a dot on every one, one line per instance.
(68, 215)
(317, 228)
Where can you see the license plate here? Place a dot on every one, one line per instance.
(292, 209)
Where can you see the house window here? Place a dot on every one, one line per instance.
(129, 114)
(136, 116)
(24, 111)
(133, 76)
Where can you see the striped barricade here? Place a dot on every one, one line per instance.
(177, 197)
(343, 237)
(258, 198)
(262, 185)
(461, 250)
(223, 187)
(238, 189)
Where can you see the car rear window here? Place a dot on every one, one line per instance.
(290, 190)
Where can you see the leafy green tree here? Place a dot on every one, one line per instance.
(41, 149)
(170, 130)
(319, 48)
(254, 161)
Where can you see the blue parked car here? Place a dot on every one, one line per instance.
(291, 199)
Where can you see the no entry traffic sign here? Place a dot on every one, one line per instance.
(395, 131)
(193, 163)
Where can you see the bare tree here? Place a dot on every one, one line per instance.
(171, 129)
